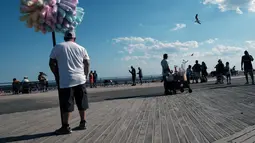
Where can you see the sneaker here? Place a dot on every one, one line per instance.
(63, 130)
(82, 125)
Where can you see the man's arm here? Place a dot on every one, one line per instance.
(86, 67)
(242, 63)
(53, 66)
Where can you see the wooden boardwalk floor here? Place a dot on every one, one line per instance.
(201, 117)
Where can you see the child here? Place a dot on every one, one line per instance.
(188, 73)
(228, 73)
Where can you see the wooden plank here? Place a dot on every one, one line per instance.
(92, 115)
(224, 110)
(157, 123)
(11, 127)
(217, 117)
(100, 128)
(114, 111)
(165, 135)
(217, 132)
(230, 107)
(180, 133)
(123, 116)
(123, 128)
(98, 120)
(195, 131)
(206, 116)
(202, 121)
(131, 125)
(134, 134)
(9, 119)
(183, 124)
(170, 122)
(196, 123)
(149, 130)
(142, 131)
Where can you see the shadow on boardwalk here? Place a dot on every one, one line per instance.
(230, 86)
(141, 96)
(25, 137)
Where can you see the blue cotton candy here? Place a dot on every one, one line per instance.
(61, 12)
(69, 18)
(59, 26)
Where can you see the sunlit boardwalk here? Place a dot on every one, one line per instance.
(221, 113)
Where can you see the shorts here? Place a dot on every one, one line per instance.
(246, 71)
(68, 95)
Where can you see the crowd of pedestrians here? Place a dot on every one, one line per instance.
(25, 86)
(133, 73)
(199, 71)
(93, 79)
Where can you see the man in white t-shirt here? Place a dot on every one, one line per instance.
(69, 62)
(165, 71)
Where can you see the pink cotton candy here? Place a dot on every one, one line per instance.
(51, 2)
(55, 10)
(49, 16)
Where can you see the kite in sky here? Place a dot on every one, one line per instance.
(197, 20)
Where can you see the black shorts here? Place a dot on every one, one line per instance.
(246, 71)
(68, 95)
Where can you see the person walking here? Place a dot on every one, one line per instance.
(133, 73)
(165, 72)
(197, 70)
(204, 72)
(228, 73)
(95, 78)
(91, 79)
(69, 62)
(246, 65)
(140, 74)
(188, 74)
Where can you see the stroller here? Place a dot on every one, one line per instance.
(177, 81)
(220, 79)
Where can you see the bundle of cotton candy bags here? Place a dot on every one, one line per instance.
(51, 15)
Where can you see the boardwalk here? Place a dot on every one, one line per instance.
(213, 113)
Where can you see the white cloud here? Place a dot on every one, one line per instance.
(211, 41)
(178, 26)
(226, 50)
(235, 5)
(132, 44)
(250, 44)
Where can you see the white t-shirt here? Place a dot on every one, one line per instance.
(165, 67)
(69, 56)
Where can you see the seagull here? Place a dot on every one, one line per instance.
(197, 20)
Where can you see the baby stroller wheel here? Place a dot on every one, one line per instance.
(182, 90)
(190, 90)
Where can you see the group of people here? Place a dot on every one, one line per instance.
(200, 71)
(93, 79)
(197, 72)
(133, 73)
(74, 63)
(25, 85)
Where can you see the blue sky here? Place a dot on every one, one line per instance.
(118, 33)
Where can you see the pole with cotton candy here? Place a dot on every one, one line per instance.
(51, 15)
